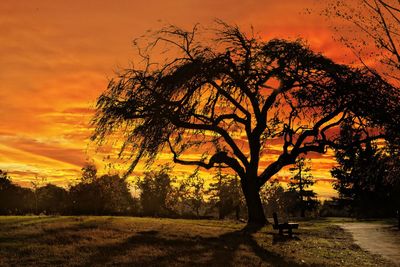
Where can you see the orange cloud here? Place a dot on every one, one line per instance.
(57, 56)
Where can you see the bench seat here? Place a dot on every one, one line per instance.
(284, 226)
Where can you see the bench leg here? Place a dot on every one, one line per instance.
(290, 232)
(280, 231)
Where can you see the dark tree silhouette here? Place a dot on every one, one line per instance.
(276, 199)
(156, 191)
(107, 194)
(51, 199)
(299, 183)
(195, 195)
(13, 198)
(232, 96)
(364, 177)
(225, 195)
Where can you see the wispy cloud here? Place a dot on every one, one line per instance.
(57, 56)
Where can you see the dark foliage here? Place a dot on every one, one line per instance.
(51, 199)
(299, 185)
(367, 178)
(190, 195)
(105, 195)
(226, 195)
(13, 198)
(210, 92)
(285, 202)
(156, 193)
(159, 195)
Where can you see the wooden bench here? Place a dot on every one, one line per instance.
(284, 226)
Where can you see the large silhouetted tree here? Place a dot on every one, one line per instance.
(231, 97)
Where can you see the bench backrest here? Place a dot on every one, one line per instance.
(275, 218)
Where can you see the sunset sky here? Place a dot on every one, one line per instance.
(56, 57)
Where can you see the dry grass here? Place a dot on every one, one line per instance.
(110, 241)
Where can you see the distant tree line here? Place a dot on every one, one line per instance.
(366, 180)
(107, 194)
(157, 193)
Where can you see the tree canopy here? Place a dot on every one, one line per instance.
(233, 96)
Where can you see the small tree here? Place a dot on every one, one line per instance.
(115, 197)
(51, 199)
(36, 183)
(107, 194)
(156, 191)
(195, 196)
(14, 199)
(181, 194)
(299, 183)
(277, 199)
(272, 196)
(226, 195)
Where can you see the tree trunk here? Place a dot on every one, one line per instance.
(303, 211)
(255, 209)
(302, 206)
(221, 214)
(237, 212)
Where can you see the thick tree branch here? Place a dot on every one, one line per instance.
(216, 129)
(231, 99)
(215, 160)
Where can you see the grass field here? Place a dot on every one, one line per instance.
(110, 241)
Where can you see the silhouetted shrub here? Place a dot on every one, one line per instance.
(14, 199)
(51, 199)
(106, 195)
(156, 193)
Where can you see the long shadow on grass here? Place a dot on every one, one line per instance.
(277, 238)
(151, 248)
(26, 221)
(41, 232)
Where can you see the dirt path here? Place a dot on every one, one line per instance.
(377, 238)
